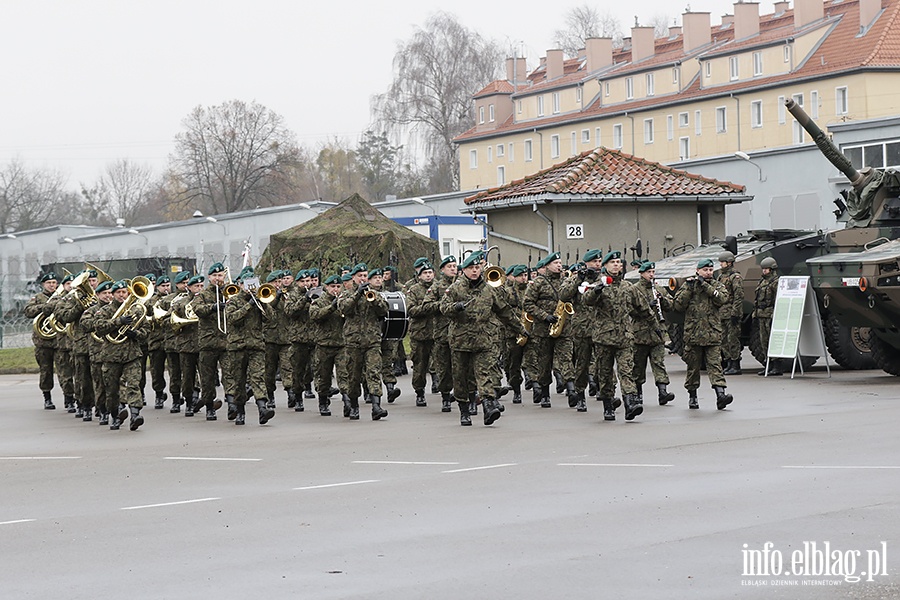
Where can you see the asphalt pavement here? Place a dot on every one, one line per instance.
(792, 492)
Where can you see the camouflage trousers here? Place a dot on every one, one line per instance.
(473, 371)
(65, 370)
(694, 356)
(278, 356)
(388, 354)
(442, 363)
(246, 368)
(340, 370)
(530, 358)
(731, 340)
(188, 362)
(364, 369)
(84, 385)
(157, 359)
(302, 357)
(583, 350)
(122, 381)
(173, 364)
(326, 361)
(656, 355)
(513, 363)
(552, 353)
(421, 357)
(99, 391)
(765, 330)
(623, 358)
(45, 361)
(210, 362)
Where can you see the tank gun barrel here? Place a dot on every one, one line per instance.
(826, 146)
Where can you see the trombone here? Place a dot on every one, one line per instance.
(227, 292)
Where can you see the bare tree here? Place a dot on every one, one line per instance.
(30, 198)
(585, 21)
(123, 192)
(231, 156)
(660, 23)
(430, 99)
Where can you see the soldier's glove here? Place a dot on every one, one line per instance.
(222, 305)
(525, 334)
(131, 334)
(582, 275)
(47, 310)
(460, 306)
(125, 320)
(551, 318)
(362, 288)
(334, 303)
(590, 274)
(735, 321)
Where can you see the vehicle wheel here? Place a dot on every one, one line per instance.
(676, 339)
(886, 357)
(850, 347)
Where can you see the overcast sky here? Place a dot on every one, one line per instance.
(86, 82)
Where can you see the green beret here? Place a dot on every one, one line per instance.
(313, 272)
(346, 277)
(67, 278)
(286, 273)
(706, 262)
(447, 260)
(216, 268)
(162, 279)
(592, 255)
(359, 268)
(541, 263)
(425, 266)
(610, 256)
(376, 273)
(273, 276)
(48, 276)
(182, 276)
(196, 279)
(91, 273)
(118, 285)
(636, 263)
(509, 269)
(517, 270)
(550, 258)
(474, 258)
(646, 266)
(392, 269)
(104, 286)
(246, 272)
(151, 277)
(346, 267)
(419, 262)
(333, 279)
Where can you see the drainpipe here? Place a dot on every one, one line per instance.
(549, 226)
(737, 101)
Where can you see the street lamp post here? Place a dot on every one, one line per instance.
(745, 156)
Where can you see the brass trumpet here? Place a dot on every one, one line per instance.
(494, 276)
(370, 296)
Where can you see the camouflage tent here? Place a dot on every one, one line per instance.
(349, 233)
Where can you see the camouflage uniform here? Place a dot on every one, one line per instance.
(328, 324)
(541, 300)
(186, 341)
(441, 357)
(388, 356)
(515, 297)
(212, 343)
(731, 313)
(121, 362)
(246, 349)
(421, 334)
(64, 360)
(95, 347)
(173, 359)
(580, 328)
(296, 306)
(362, 336)
(44, 349)
(764, 307)
(70, 310)
(156, 353)
(278, 348)
(649, 342)
(700, 301)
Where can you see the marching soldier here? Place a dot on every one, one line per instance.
(96, 346)
(329, 331)
(278, 346)
(583, 325)
(700, 299)
(441, 357)
(363, 312)
(63, 358)
(44, 347)
(156, 353)
(731, 313)
(388, 347)
(187, 341)
(649, 343)
(170, 346)
(71, 310)
(296, 307)
(209, 306)
(516, 284)
(764, 308)
(421, 329)
(392, 284)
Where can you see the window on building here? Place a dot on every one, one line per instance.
(721, 119)
(501, 150)
(877, 156)
(648, 131)
(782, 111)
(491, 113)
(756, 116)
(447, 247)
(501, 175)
(578, 95)
(697, 126)
(814, 104)
(733, 67)
(629, 88)
(555, 103)
(473, 159)
(684, 148)
(510, 155)
(787, 54)
(708, 69)
(528, 151)
(585, 136)
(519, 106)
(480, 115)
(757, 64)
(676, 75)
(573, 142)
(797, 129)
(597, 137)
(683, 119)
(841, 104)
(670, 127)
(617, 136)
(650, 86)
(490, 154)
(540, 101)
(606, 89)
(554, 146)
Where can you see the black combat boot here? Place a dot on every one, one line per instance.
(545, 398)
(136, 419)
(593, 389)
(270, 400)
(354, 409)
(617, 402)
(69, 401)
(333, 391)
(265, 413)
(499, 392)
(308, 393)
(292, 398)
(491, 410)
(732, 367)
(609, 412)
(176, 404)
(160, 401)
(560, 384)
(420, 398)
(640, 395)
(517, 394)
(189, 408)
(324, 405)
(536, 391)
(240, 417)
(210, 413)
(722, 399)
(48, 403)
(571, 395)
(346, 402)
(473, 404)
(298, 403)
(529, 383)
(116, 423)
(434, 384)
(87, 415)
(774, 369)
(692, 399)
(104, 418)
(377, 411)
(580, 406)
(464, 418)
(665, 396)
(393, 392)
(446, 401)
(143, 399)
(633, 408)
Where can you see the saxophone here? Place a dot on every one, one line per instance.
(528, 325)
(563, 310)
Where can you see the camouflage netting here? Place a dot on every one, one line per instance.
(349, 233)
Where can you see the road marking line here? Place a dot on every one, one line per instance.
(170, 503)
(400, 462)
(331, 485)
(39, 457)
(18, 521)
(201, 458)
(837, 467)
(610, 465)
(481, 468)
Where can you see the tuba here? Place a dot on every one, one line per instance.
(45, 326)
(140, 291)
(563, 310)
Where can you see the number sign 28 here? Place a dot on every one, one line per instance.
(575, 232)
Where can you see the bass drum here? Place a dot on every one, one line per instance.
(396, 322)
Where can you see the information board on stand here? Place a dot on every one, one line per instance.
(796, 324)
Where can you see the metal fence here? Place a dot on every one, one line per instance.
(15, 329)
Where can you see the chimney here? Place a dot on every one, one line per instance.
(807, 11)
(727, 20)
(674, 32)
(598, 52)
(746, 19)
(696, 30)
(554, 64)
(782, 7)
(515, 70)
(868, 10)
(642, 43)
